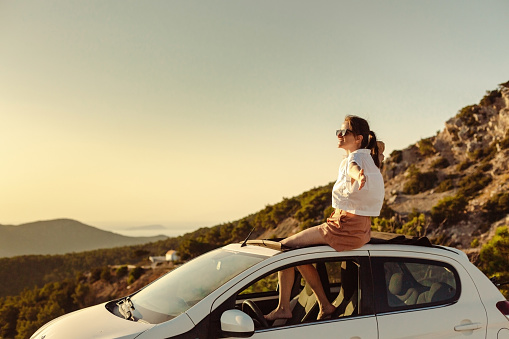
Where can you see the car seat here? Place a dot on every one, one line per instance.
(437, 292)
(346, 302)
(304, 305)
(404, 293)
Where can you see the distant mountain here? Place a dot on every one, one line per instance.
(61, 236)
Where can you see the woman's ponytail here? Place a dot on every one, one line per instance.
(373, 146)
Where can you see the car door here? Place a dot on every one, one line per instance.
(433, 297)
(356, 321)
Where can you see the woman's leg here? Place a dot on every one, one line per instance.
(283, 311)
(310, 236)
(310, 274)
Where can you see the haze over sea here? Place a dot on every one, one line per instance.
(170, 230)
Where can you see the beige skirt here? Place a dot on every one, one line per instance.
(346, 231)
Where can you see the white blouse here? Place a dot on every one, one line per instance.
(367, 201)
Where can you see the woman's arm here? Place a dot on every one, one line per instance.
(357, 174)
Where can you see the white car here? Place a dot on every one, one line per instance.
(392, 287)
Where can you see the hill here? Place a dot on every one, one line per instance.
(61, 236)
(453, 187)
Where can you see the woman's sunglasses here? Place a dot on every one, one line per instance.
(343, 132)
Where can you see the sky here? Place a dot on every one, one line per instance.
(190, 113)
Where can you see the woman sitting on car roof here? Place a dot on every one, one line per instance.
(357, 195)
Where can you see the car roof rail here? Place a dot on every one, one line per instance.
(398, 239)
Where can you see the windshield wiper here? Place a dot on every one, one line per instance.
(126, 308)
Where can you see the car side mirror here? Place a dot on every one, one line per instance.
(235, 323)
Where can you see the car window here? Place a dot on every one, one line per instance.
(340, 280)
(334, 272)
(414, 284)
(264, 285)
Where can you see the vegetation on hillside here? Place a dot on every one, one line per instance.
(37, 270)
(22, 315)
(493, 259)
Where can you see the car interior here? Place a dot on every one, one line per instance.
(339, 279)
(422, 284)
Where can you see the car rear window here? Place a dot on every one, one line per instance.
(418, 283)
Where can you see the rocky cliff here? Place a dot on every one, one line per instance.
(457, 180)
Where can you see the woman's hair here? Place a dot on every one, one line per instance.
(361, 127)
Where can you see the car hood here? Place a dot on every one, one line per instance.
(92, 322)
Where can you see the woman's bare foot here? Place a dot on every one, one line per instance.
(278, 313)
(326, 311)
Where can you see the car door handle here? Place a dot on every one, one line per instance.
(467, 327)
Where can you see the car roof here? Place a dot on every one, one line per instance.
(379, 241)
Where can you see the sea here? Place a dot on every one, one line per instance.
(151, 230)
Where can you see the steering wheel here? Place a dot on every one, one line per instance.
(258, 314)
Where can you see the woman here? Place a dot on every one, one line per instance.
(357, 195)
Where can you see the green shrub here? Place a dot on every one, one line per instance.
(140, 253)
(484, 154)
(384, 225)
(493, 258)
(190, 248)
(490, 97)
(494, 254)
(471, 185)
(440, 163)
(106, 274)
(135, 274)
(485, 166)
(413, 214)
(466, 114)
(396, 156)
(449, 210)
(445, 185)
(426, 147)
(415, 226)
(312, 206)
(497, 207)
(241, 230)
(121, 271)
(386, 212)
(419, 182)
(463, 165)
(95, 274)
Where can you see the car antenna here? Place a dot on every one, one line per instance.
(247, 238)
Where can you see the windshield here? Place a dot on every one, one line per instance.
(183, 287)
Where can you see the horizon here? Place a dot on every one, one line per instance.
(193, 114)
